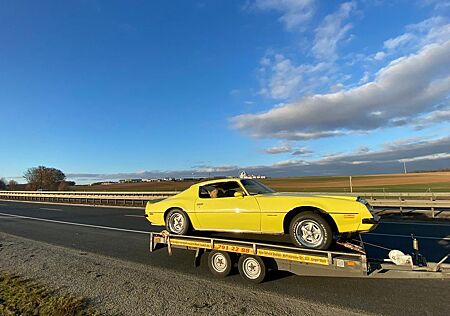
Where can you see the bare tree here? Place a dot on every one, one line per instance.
(63, 186)
(2, 184)
(43, 178)
(12, 185)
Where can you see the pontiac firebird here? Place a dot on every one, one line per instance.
(248, 206)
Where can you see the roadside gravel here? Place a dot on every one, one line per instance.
(126, 288)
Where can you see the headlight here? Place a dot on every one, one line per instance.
(366, 203)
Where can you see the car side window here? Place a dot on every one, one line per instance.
(220, 190)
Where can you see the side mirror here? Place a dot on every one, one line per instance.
(239, 195)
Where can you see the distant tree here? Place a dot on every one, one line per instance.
(2, 184)
(43, 178)
(63, 186)
(12, 185)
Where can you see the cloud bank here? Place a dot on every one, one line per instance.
(418, 153)
(402, 91)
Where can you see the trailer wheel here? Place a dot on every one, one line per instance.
(220, 263)
(252, 268)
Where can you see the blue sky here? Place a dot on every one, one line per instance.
(113, 89)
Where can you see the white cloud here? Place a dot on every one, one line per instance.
(284, 148)
(379, 55)
(331, 31)
(281, 79)
(427, 157)
(365, 78)
(214, 169)
(441, 115)
(294, 13)
(421, 154)
(409, 86)
(432, 30)
(285, 78)
(302, 152)
(395, 42)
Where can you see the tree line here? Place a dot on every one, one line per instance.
(40, 178)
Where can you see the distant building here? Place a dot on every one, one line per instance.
(245, 175)
(107, 183)
(130, 181)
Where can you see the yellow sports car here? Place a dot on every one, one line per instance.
(246, 205)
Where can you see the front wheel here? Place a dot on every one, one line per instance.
(310, 230)
(177, 222)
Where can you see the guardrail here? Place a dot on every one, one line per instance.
(434, 202)
(92, 198)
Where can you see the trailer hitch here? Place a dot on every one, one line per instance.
(418, 259)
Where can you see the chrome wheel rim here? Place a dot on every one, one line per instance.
(219, 262)
(176, 223)
(251, 268)
(309, 233)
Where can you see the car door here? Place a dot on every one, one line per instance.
(228, 213)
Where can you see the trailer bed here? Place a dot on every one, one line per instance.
(299, 261)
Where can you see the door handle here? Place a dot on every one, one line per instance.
(199, 204)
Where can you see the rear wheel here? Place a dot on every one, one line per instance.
(177, 222)
(252, 268)
(310, 230)
(220, 263)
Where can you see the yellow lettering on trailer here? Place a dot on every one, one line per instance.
(190, 243)
(292, 256)
(233, 248)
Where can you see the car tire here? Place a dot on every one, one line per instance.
(220, 263)
(252, 268)
(311, 230)
(177, 222)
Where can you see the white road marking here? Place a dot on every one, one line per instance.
(131, 215)
(75, 224)
(146, 232)
(415, 223)
(3, 204)
(408, 236)
(51, 209)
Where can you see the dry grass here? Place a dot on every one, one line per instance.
(24, 297)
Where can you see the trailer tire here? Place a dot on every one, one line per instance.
(310, 230)
(252, 268)
(220, 263)
(177, 222)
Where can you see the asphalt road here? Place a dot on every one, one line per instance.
(84, 228)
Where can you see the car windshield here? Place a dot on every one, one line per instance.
(254, 187)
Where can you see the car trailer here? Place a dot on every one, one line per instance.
(256, 259)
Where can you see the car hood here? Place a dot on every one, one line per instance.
(295, 194)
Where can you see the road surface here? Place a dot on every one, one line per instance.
(123, 233)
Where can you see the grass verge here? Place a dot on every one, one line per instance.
(19, 296)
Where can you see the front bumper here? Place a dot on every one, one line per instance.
(369, 224)
(374, 220)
